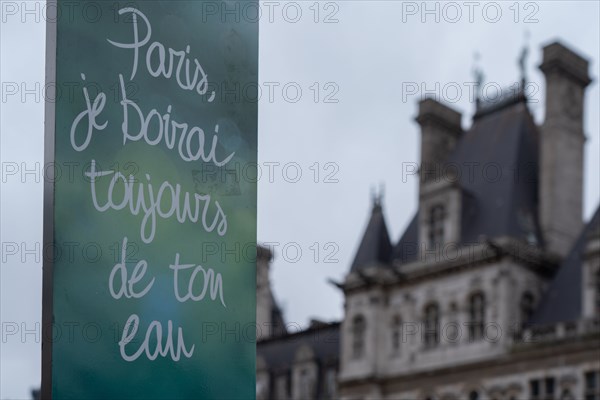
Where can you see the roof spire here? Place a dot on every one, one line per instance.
(523, 60)
(377, 195)
(478, 76)
(375, 248)
(373, 196)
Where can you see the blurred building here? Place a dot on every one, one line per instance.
(493, 290)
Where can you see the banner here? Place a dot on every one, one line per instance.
(151, 139)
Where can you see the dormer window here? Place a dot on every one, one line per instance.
(526, 308)
(396, 334)
(359, 327)
(306, 388)
(437, 215)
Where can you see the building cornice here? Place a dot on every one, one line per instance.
(575, 348)
(434, 265)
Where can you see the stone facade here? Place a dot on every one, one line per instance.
(493, 290)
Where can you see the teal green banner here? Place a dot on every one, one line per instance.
(151, 279)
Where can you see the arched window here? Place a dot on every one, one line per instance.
(476, 316)
(396, 334)
(432, 325)
(452, 328)
(474, 395)
(306, 388)
(359, 326)
(435, 236)
(527, 304)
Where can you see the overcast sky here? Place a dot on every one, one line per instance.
(362, 60)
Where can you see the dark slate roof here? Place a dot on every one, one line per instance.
(406, 249)
(375, 247)
(279, 352)
(502, 191)
(562, 301)
(498, 160)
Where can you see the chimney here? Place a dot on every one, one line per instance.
(264, 297)
(440, 198)
(561, 147)
(440, 130)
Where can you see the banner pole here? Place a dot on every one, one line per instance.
(48, 230)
